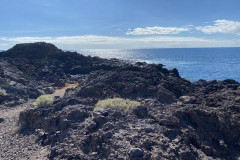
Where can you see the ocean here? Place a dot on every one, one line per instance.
(192, 63)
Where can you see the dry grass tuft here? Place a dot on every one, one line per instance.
(3, 92)
(43, 100)
(117, 104)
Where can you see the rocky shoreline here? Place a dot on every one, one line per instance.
(177, 119)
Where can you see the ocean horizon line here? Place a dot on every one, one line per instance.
(1, 50)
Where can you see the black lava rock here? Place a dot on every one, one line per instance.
(1, 120)
(136, 153)
(140, 111)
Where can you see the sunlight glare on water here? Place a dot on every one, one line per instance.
(192, 63)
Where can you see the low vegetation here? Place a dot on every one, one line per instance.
(117, 104)
(43, 100)
(187, 79)
(3, 92)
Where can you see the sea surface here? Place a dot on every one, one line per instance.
(192, 63)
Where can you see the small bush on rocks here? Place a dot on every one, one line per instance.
(117, 104)
(43, 100)
(3, 92)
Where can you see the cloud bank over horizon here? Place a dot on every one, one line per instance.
(125, 24)
(148, 37)
(108, 42)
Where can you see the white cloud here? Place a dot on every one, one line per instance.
(107, 42)
(222, 26)
(156, 30)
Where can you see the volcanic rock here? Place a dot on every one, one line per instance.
(135, 153)
(177, 119)
(36, 50)
(1, 120)
(140, 111)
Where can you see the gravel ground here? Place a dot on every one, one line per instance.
(15, 146)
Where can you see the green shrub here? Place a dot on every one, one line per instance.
(179, 103)
(43, 100)
(3, 92)
(117, 104)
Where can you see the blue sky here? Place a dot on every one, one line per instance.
(88, 24)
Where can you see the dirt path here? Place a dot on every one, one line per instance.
(14, 146)
(61, 92)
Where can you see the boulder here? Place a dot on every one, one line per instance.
(136, 153)
(91, 126)
(140, 111)
(1, 120)
(187, 99)
(49, 90)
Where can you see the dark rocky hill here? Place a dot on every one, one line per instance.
(36, 50)
(177, 119)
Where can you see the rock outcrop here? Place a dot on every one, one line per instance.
(37, 50)
(177, 119)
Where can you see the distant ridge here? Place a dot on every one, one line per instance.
(36, 50)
